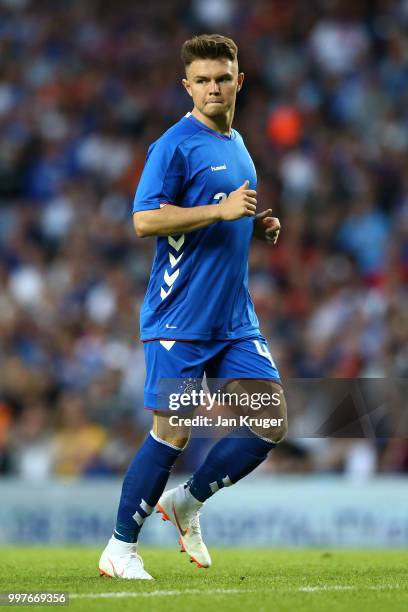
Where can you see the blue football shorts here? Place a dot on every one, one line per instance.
(217, 359)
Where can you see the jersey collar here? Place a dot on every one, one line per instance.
(207, 129)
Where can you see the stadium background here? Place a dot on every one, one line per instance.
(84, 89)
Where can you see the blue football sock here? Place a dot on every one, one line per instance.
(143, 485)
(230, 459)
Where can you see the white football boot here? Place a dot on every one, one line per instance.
(121, 560)
(182, 509)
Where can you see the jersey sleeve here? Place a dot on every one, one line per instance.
(163, 177)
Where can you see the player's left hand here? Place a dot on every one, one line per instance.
(267, 227)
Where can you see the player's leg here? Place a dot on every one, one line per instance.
(249, 363)
(180, 508)
(148, 473)
(142, 487)
(235, 455)
(240, 452)
(146, 478)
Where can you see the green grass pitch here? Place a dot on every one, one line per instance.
(255, 580)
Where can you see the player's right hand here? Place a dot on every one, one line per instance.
(239, 203)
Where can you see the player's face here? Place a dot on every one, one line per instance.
(213, 84)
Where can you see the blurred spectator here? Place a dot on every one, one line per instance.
(364, 233)
(120, 449)
(32, 444)
(84, 89)
(78, 442)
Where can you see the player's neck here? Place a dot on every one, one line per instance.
(221, 124)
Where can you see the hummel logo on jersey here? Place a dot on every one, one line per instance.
(171, 326)
(217, 168)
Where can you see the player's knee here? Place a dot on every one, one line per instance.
(275, 433)
(175, 439)
(180, 442)
(176, 435)
(273, 425)
(279, 432)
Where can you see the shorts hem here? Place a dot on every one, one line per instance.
(196, 337)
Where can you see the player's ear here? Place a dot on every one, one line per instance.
(186, 86)
(241, 77)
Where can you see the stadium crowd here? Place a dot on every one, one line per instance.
(85, 87)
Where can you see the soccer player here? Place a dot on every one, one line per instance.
(197, 194)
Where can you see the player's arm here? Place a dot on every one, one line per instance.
(266, 227)
(177, 220)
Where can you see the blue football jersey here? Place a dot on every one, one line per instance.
(198, 287)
